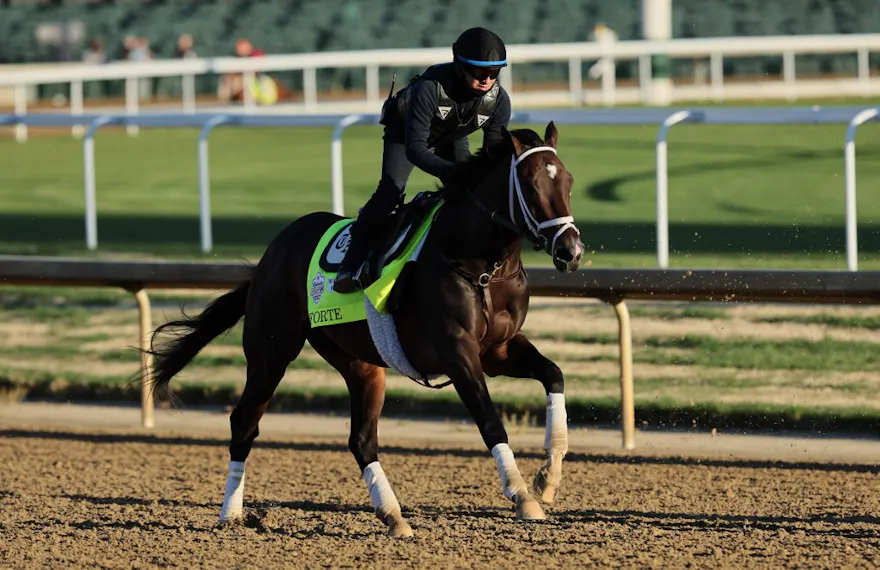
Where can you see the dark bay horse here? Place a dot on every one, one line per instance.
(459, 315)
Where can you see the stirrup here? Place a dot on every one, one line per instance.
(351, 277)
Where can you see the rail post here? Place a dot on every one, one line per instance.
(627, 388)
(145, 327)
(336, 160)
(663, 181)
(89, 179)
(204, 182)
(849, 163)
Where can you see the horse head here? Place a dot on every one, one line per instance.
(540, 197)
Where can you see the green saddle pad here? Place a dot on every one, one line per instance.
(326, 306)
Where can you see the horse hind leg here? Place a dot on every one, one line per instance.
(366, 386)
(268, 357)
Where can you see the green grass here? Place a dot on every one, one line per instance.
(70, 316)
(740, 196)
(679, 314)
(795, 354)
(868, 323)
(574, 337)
(210, 360)
(745, 354)
(690, 350)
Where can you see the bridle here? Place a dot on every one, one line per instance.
(533, 225)
(517, 197)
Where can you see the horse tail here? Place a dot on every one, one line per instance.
(192, 334)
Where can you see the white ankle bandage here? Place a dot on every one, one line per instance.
(233, 496)
(381, 494)
(556, 436)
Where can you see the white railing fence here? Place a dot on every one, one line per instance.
(665, 119)
(713, 50)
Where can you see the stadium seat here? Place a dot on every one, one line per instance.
(295, 26)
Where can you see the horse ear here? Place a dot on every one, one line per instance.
(517, 146)
(550, 134)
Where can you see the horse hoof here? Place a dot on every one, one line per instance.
(546, 482)
(529, 510)
(400, 529)
(397, 525)
(230, 520)
(547, 494)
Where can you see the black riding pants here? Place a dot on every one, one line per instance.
(396, 170)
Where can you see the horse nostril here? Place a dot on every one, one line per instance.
(563, 254)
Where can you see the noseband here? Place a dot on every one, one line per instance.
(533, 225)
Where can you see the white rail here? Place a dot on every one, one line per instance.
(664, 118)
(849, 151)
(575, 54)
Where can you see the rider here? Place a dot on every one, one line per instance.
(426, 125)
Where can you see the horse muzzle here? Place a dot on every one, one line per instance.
(567, 258)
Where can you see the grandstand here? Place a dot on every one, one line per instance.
(296, 26)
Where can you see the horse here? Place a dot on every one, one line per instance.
(459, 311)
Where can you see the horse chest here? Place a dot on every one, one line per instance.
(504, 315)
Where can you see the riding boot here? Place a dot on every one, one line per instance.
(348, 278)
(367, 229)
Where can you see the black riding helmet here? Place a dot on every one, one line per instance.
(479, 48)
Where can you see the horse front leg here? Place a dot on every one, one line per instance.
(467, 377)
(519, 358)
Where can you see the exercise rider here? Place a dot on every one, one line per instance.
(426, 125)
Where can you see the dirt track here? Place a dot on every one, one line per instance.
(115, 497)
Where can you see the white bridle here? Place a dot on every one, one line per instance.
(533, 224)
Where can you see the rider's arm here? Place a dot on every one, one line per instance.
(461, 149)
(493, 131)
(422, 105)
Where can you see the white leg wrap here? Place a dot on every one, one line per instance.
(511, 479)
(381, 494)
(233, 497)
(556, 436)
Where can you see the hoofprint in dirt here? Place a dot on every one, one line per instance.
(119, 498)
(580, 335)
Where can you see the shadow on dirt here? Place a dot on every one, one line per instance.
(455, 452)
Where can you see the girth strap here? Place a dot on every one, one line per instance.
(482, 284)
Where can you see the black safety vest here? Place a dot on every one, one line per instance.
(448, 124)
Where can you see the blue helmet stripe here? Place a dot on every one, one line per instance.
(496, 63)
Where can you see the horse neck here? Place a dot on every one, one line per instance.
(468, 232)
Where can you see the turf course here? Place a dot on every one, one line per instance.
(743, 196)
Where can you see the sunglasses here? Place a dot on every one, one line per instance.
(482, 72)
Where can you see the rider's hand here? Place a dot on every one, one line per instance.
(460, 178)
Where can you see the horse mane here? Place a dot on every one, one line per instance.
(482, 163)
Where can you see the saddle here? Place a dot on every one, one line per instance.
(402, 225)
(397, 233)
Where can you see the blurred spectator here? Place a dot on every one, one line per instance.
(128, 43)
(185, 47)
(94, 54)
(244, 48)
(605, 66)
(231, 86)
(137, 49)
